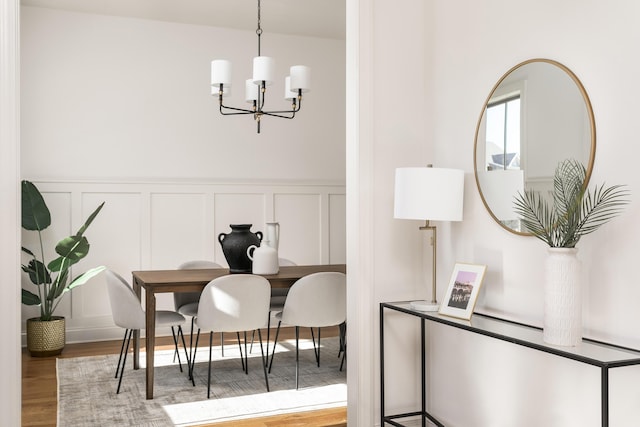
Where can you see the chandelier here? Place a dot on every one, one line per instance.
(296, 83)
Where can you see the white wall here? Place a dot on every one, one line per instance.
(108, 97)
(119, 109)
(475, 381)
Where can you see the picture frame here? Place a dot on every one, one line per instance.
(463, 289)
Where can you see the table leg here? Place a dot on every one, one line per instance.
(136, 334)
(150, 313)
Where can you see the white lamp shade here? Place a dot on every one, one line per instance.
(220, 72)
(288, 93)
(251, 91)
(499, 188)
(427, 193)
(300, 78)
(263, 69)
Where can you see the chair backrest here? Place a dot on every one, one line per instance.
(183, 298)
(125, 305)
(317, 300)
(234, 303)
(193, 265)
(285, 262)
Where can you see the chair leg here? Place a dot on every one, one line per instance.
(268, 333)
(246, 355)
(184, 345)
(175, 343)
(209, 375)
(344, 356)
(316, 350)
(222, 343)
(193, 359)
(121, 352)
(297, 354)
(124, 362)
(264, 363)
(244, 368)
(343, 331)
(191, 355)
(275, 341)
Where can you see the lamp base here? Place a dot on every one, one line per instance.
(424, 306)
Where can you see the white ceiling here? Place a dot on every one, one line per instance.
(316, 18)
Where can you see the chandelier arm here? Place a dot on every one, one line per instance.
(241, 111)
(279, 114)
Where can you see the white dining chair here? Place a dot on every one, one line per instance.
(234, 303)
(276, 303)
(128, 314)
(314, 301)
(186, 303)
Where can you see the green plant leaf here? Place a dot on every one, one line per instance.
(575, 210)
(29, 298)
(73, 248)
(89, 220)
(27, 251)
(85, 277)
(38, 273)
(35, 213)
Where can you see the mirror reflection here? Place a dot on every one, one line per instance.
(537, 115)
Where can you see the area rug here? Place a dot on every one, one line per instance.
(87, 388)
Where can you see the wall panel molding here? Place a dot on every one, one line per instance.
(158, 225)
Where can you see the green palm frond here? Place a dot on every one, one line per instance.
(575, 211)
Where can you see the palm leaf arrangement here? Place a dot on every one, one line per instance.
(576, 211)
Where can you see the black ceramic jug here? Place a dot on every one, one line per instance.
(235, 244)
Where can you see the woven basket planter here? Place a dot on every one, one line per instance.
(45, 337)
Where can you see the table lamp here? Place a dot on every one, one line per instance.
(429, 194)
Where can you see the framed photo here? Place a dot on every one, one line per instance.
(463, 290)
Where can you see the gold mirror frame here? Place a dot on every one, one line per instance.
(592, 129)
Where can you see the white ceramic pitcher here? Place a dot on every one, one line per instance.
(265, 259)
(272, 234)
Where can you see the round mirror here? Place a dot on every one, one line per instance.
(537, 115)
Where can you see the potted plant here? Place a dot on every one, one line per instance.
(46, 333)
(576, 211)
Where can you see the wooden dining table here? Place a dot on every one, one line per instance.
(163, 281)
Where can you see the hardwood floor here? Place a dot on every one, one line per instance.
(39, 389)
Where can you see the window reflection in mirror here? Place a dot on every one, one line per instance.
(503, 134)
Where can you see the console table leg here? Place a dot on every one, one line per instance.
(605, 397)
(423, 370)
(382, 366)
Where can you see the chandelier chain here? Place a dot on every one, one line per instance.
(259, 29)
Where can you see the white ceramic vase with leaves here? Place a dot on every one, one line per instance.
(576, 211)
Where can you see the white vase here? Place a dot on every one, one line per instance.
(563, 297)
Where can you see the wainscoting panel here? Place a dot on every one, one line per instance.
(337, 228)
(158, 225)
(301, 227)
(178, 229)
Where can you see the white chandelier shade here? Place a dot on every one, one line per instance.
(297, 83)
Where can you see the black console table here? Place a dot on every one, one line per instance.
(599, 354)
